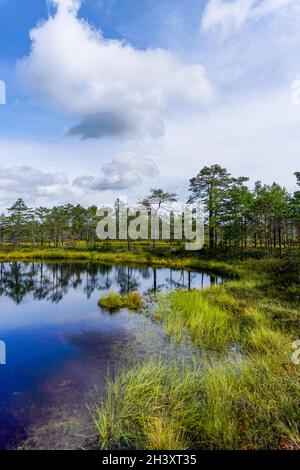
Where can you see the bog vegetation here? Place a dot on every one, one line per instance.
(115, 301)
(245, 392)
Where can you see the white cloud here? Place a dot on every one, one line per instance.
(38, 187)
(27, 179)
(32, 184)
(72, 158)
(73, 68)
(70, 6)
(123, 172)
(258, 138)
(233, 13)
(252, 129)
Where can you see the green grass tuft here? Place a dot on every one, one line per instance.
(207, 323)
(247, 400)
(251, 404)
(114, 301)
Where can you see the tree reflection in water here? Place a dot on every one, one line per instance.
(52, 281)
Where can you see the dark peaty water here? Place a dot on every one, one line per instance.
(60, 344)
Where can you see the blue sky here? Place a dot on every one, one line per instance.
(112, 97)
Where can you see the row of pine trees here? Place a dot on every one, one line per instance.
(266, 217)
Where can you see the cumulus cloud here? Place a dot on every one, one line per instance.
(26, 179)
(110, 86)
(33, 185)
(99, 125)
(123, 172)
(234, 13)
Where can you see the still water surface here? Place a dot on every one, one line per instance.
(60, 344)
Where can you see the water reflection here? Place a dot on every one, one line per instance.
(60, 345)
(52, 281)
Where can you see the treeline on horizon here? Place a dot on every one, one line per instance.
(266, 217)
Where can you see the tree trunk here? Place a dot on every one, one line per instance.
(279, 239)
